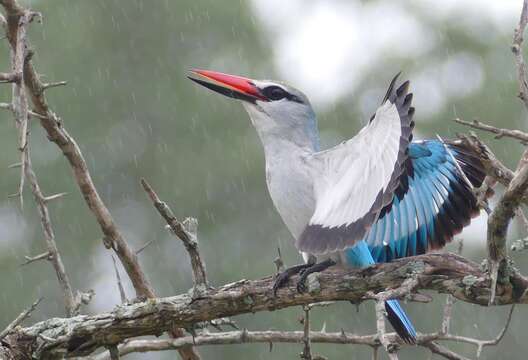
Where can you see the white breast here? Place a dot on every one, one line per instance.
(291, 190)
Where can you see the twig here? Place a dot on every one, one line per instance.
(307, 349)
(515, 134)
(443, 351)
(493, 167)
(244, 336)
(122, 293)
(390, 347)
(53, 254)
(186, 232)
(18, 320)
(482, 343)
(498, 223)
(516, 48)
(448, 311)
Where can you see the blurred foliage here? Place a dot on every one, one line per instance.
(134, 114)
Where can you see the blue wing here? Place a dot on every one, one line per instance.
(432, 204)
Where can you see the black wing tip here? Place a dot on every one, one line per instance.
(390, 89)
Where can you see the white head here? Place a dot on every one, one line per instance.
(278, 112)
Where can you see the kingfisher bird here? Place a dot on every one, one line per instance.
(376, 197)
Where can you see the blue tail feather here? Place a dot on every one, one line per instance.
(400, 321)
(360, 256)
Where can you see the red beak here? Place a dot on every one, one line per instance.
(237, 87)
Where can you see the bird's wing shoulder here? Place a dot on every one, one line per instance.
(357, 178)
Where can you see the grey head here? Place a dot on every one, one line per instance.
(280, 113)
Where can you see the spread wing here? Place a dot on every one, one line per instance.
(358, 178)
(434, 204)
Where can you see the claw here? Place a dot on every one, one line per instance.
(282, 278)
(301, 284)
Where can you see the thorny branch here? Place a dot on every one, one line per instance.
(446, 273)
(269, 337)
(509, 202)
(52, 253)
(17, 19)
(20, 108)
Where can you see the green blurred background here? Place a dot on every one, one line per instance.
(134, 114)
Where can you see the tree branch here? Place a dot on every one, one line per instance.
(517, 53)
(52, 253)
(56, 132)
(187, 232)
(81, 335)
(515, 134)
(18, 320)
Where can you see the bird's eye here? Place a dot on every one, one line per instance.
(275, 93)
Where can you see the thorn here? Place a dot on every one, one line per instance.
(15, 165)
(46, 86)
(6, 106)
(15, 195)
(37, 115)
(30, 259)
(144, 246)
(54, 197)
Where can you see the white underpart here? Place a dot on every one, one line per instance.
(354, 172)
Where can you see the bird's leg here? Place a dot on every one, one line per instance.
(283, 277)
(318, 267)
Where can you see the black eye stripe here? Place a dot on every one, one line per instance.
(274, 92)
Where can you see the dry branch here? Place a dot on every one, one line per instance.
(18, 320)
(187, 233)
(516, 48)
(52, 253)
(58, 134)
(20, 109)
(17, 19)
(81, 335)
(515, 134)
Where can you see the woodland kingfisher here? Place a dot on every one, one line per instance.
(376, 197)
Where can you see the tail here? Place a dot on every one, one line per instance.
(400, 321)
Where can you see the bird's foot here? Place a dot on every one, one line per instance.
(282, 278)
(318, 267)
